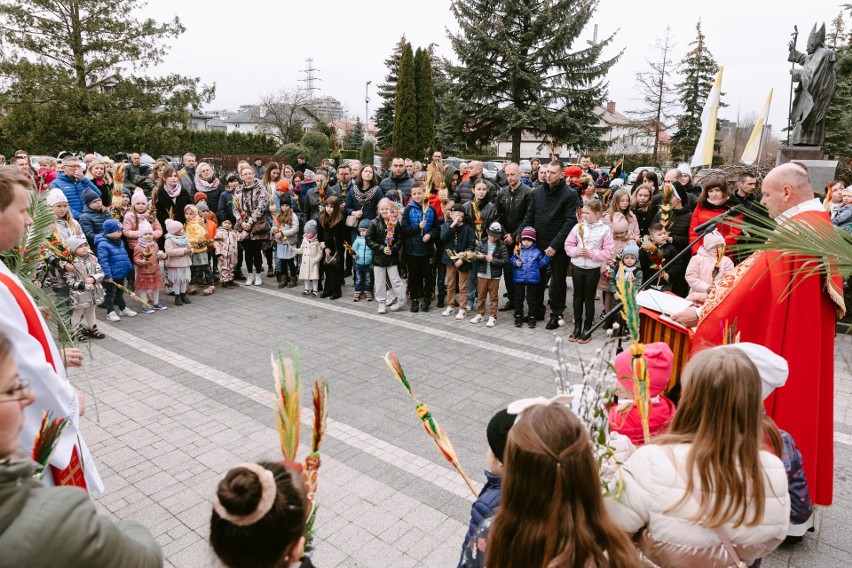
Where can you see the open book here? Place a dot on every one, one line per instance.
(666, 304)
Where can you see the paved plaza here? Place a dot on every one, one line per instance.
(184, 395)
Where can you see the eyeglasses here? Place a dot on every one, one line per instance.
(22, 390)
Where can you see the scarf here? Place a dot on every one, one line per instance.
(172, 192)
(364, 197)
(206, 186)
(181, 241)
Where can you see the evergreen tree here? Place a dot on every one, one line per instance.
(356, 135)
(699, 68)
(387, 90)
(77, 80)
(519, 73)
(368, 152)
(405, 114)
(839, 115)
(425, 101)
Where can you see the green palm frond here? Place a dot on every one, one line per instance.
(28, 263)
(828, 246)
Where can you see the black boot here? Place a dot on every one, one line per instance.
(178, 301)
(519, 320)
(575, 334)
(532, 321)
(185, 298)
(424, 305)
(415, 306)
(282, 280)
(441, 302)
(553, 323)
(293, 281)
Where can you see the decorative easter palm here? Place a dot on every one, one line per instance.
(429, 423)
(630, 313)
(46, 440)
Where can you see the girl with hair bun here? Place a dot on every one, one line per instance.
(259, 517)
(551, 512)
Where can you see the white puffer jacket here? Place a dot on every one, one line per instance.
(670, 538)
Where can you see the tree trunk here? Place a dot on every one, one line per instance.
(516, 146)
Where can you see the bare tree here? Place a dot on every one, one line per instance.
(284, 114)
(655, 87)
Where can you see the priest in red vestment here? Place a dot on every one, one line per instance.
(39, 360)
(794, 316)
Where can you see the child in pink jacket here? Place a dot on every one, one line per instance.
(706, 269)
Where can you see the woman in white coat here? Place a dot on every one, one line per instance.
(707, 493)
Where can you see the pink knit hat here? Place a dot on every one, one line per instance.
(712, 240)
(659, 357)
(173, 227)
(619, 223)
(145, 228)
(138, 197)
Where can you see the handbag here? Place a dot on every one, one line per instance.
(260, 227)
(352, 221)
(720, 533)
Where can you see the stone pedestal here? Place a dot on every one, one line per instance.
(798, 153)
(819, 171)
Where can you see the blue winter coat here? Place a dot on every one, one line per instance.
(73, 190)
(801, 507)
(532, 261)
(113, 258)
(411, 217)
(484, 506)
(365, 255)
(92, 223)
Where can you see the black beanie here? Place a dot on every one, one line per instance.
(498, 431)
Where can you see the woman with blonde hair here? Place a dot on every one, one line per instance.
(707, 493)
(271, 176)
(100, 176)
(552, 513)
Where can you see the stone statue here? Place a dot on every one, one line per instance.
(816, 83)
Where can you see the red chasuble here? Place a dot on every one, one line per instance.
(795, 318)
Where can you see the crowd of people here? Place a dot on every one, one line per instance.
(717, 483)
(420, 235)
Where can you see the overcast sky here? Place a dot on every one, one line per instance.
(262, 46)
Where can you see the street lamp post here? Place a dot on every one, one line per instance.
(367, 108)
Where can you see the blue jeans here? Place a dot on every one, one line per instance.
(363, 278)
(113, 295)
(472, 284)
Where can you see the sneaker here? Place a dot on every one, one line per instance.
(461, 315)
(519, 321)
(369, 297)
(112, 316)
(147, 310)
(491, 322)
(257, 280)
(250, 279)
(477, 318)
(397, 306)
(448, 311)
(128, 312)
(357, 297)
(382, 308)
(314, 293)
(159, 306)
(305, 292)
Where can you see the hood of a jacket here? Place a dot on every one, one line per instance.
(16, 483)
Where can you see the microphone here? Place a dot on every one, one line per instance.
(708, 225)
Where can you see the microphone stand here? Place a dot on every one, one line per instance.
(647, 283)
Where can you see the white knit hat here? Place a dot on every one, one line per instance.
(773, 369)
(55, 196)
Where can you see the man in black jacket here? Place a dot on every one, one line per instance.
(464, 190)
(512, 204)
(553, 213)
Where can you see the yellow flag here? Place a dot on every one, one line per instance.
(704, 150)
(753, 146)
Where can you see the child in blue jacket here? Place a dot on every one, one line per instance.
(363, 263)
(489, 498)
(115, 262)
(528, 261)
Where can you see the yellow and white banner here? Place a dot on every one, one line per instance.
(704, 150)
(750, 154)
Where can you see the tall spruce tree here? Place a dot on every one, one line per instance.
(425, 101)
(356, 135)
(387, 90)
(405, 113)
(77, 80)
(839, 115)
(521, 71)
(698, 68)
